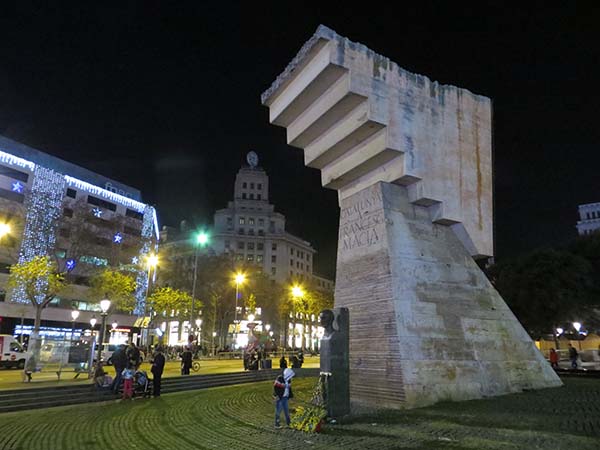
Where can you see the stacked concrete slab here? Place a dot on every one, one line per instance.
(411, 161)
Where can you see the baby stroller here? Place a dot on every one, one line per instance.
(142, 385)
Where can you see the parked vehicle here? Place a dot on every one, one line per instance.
(107, 352)
(13, 354)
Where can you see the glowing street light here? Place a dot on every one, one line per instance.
(577, 326)
(239, 279)
(4, 229)
(93, 321)
(104, 306)
(201, 241)
(297, 293)
(251, 317)
(559, 331)
(115, 325)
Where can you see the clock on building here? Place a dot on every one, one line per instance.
(252, 159)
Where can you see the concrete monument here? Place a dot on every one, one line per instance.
(411, 160)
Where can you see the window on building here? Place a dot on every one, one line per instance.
(308, 257)
(292, 262)
(273, 259)
(291, 273)
(307, 268)
(244, 196)
(273, 271)
(291, 251)
(239, 256)
(251, 231)
(134, 214)
(259, 186)
(274, 247)
(297, 264)
(241, 231)
(67, 212)
(227, 244)
(251, 221)
(244, 185)
(261, 232)
(261, 222)
(242, 220)
(260, 246)
(251, 185)
(272, 226)
(259, 258)
(102, 203)
(251, 196)
(229, 221)
(258, 197)
(13, 196)
(301, 266)
(250, 246)
(71, 193)
(250, 258)
(240, 245)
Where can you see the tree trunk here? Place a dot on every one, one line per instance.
(34, 337)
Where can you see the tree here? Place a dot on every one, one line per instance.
(117, 286)
(172, 304)
(545, 288)
(40, 283)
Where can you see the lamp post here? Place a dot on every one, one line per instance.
(201, 241)
(151, 263)
(577, 326)
(214, 333)
(198, 339)
(104, 306)
(74, 316)
(297, 294)
(239, 279)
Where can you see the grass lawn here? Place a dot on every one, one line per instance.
(241, 417)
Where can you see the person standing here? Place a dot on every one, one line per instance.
(186, 361)
(573, 356)
(553, 358)
(133, 354)
(127, 375)
(282, 392)
(158, 366)
(119, 360)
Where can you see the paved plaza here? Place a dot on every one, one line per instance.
(240, 417)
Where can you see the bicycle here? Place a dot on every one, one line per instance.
(196, 366)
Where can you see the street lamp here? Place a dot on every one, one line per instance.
(74, 316)
(559, 331)
(198, 325)
(93, 321)
(239, 279)
(251, 318)
(4, 229)
(577, 326)
(297, 294)
(201, 241)
(104, 306)
(214, 333)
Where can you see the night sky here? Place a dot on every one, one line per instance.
(165, 97)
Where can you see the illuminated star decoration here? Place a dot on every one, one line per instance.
(17, 187)
(97, 212)
(70, 264)
(117, 238)
(134, 260)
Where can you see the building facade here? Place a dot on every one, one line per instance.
(83, 220)
(252, 231)
(589, 215)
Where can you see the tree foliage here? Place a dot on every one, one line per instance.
(39, 279)
(546, 288)
(115, 285)
(169, 302)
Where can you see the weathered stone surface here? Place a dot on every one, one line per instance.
(360, 118)
(425, 323)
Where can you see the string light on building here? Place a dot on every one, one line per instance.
(117, 238)
(97, 212)
(17, 187)
(70, 265)
(135, 260)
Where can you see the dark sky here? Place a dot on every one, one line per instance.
(165, 96)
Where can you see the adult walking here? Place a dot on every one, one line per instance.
(186, 361)
(119, 360)
(573, 354)
(158, 366)
(282, 392)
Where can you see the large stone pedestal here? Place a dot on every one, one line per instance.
(425, 323)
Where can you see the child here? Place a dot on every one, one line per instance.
(127, 376)
(282, 392)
